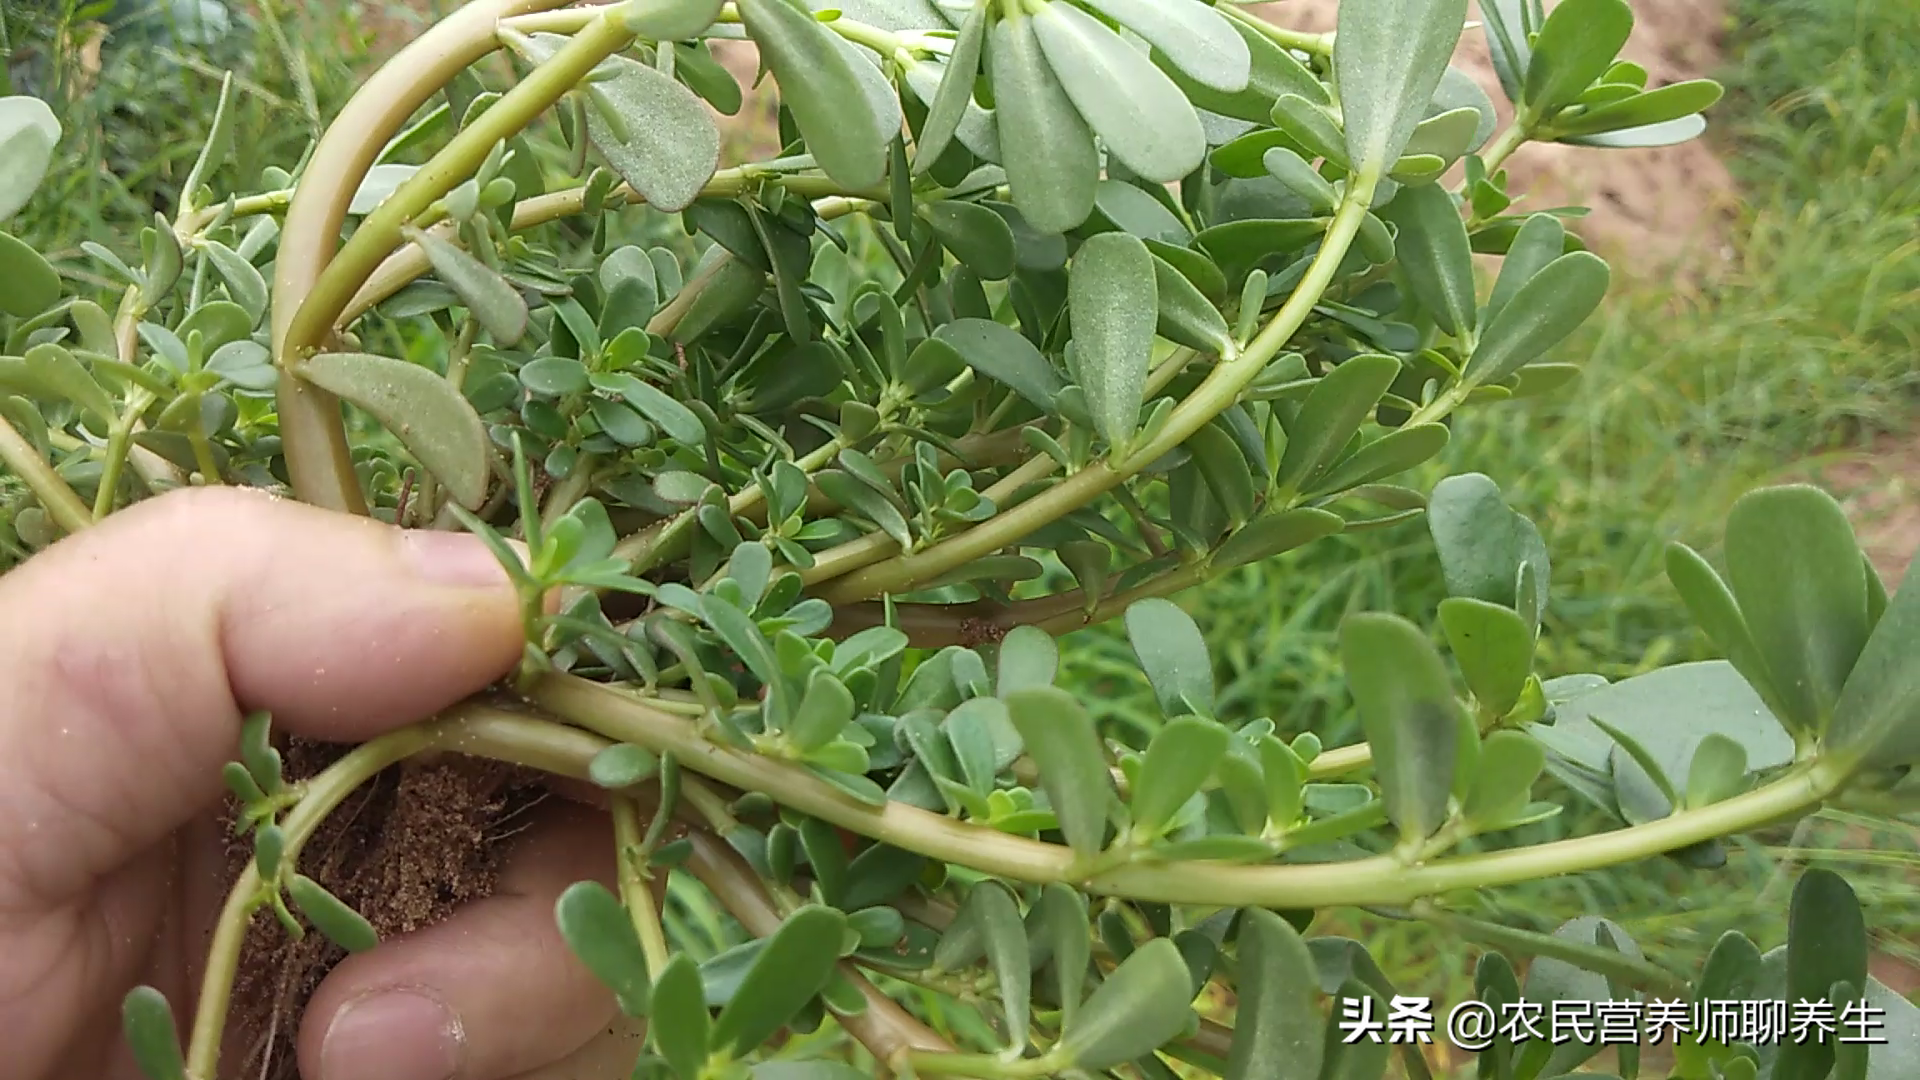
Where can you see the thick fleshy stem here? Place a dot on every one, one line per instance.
(1381, 879)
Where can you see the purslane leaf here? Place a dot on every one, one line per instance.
(1575, 47)
(1179, 759)
(1195, 38)
(431, 418)
(1336, 407)
(1407, 708)
(1435, 255)
(1142, 118)
(949, 104)
(599, 931)
(1047, 149)
(29, 131)
(790, 970)
(1795, 566)
(1113, 299)
(1173, 654)
(1144, 1003)
(498, 306)
(1277, 1031)
(147, 1021)
(1060, 737)
(1551, 305)
(1388, 57)
(818, 84)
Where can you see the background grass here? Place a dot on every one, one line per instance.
(1795, 344)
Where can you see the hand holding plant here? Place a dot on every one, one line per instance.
(112, 864)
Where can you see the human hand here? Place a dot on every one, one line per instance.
(128, 656)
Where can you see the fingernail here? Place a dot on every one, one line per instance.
(449, 558)
(392, 1035)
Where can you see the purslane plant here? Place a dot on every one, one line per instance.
(1045, 311)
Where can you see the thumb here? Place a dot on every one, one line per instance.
(130, 652)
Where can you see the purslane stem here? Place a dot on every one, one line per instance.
(380, 233)
(1640, 974)
(1374, 880)
(56, 496)
(312, 428)
(635, 882)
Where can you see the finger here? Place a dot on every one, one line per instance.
(132, 649)
(492, 992)
(610, 1055)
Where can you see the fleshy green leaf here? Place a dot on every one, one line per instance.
(675, 419)
(1277, 1030)
(670, 20)
(820, 86)
(1005, 356)
(949, 104)
(1482, 543)
(977, 236)
(1826, 944)
(494, 302)
(1338, 404)
(1142, 118)
(244, 282)
(1715, 611)
(147, 1021)
(1144, 1003)
(1067, 931)
(434, 421)
(56, 369)
(679, 1023)
(1194, 38)
(1002, 936)
(1361, 1059)
(1795, 567)
(1273, 534)
(1028, 657)
(1539, 240)
(1389, 455)
(1492, 645)
(32, 284)
(1407, 709)
(1435, 255)
(1272, 72)
(1877, 718)
(1225, 470)
(1503, 777)
(1061, 739)
(1301, 178)
(1668, 104)
(1172, 652)
(1178, 760)
(622, 765)
(28, 133)
(1186, 316)
(1047, 149)
(1718, 770)
(1667, 133)
(1388, 57)
(1544, 311)
(825, 711)
(1113, 302)
(794, 966)
(600, 932)
(331, 916)
(1573, 49)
